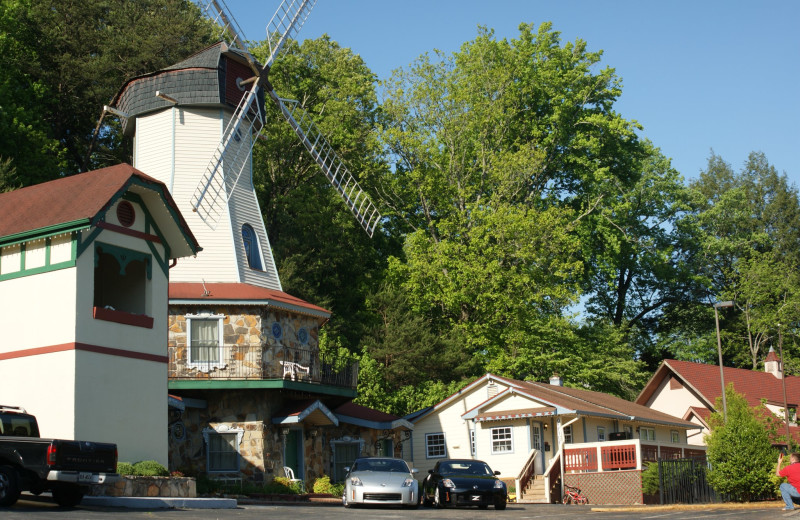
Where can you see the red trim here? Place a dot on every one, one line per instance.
(66, 347)
(129, 232)
(125, 318)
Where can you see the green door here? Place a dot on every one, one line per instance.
(292, 454)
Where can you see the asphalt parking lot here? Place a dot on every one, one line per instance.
(36, 508)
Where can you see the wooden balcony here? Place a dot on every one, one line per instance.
(258, 363)
(624, 454)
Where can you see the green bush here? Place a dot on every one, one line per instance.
(149, 468)
(124, 468)
(650, 484)
(322, 485)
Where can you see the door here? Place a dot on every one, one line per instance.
(293, 453)
(538, 445)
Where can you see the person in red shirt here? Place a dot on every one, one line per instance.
(789, 490)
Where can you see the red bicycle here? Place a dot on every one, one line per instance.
(572, 495)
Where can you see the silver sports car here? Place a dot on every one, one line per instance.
(381, 481)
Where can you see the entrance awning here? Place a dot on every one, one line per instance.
(310, 412)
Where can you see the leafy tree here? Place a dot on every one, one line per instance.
(61, 62)
(740, 453)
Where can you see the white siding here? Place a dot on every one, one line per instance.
(674, 402)
(61, 248)
(10, 259)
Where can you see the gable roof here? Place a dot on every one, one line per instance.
(561, 400)
(310, 411)
(198, 293)
(704, 381)
(79, 201)
(352, 413)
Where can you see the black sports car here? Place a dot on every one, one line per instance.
(463, 482)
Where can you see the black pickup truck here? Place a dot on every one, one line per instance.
(65, 468)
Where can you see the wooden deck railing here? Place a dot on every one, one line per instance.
(624, 454)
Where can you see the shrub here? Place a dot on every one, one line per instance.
(124, 468)
(740, 452)
(322, 485)
(149, 468)
(650, 484)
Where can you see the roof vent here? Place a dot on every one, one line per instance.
(555, 380)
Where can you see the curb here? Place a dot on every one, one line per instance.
(160, 502)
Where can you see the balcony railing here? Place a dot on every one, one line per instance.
(257, 362)
(624, 454)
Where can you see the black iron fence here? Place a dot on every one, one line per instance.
(257, 362)
(683, 481)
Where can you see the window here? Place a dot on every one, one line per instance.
(647, 434)
(222, 449)
(344, 454)
(251, 249)
(120, 279)
(204, 338)
(472, 442)
(568, 434)
(674, 437)
(628, 431)
(435, 446)
(601, 433)
(501, 440)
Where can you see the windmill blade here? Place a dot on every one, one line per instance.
(218, 12)
(357, 200)
(215, 187)
(285, 23)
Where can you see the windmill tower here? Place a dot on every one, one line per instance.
(211, 105)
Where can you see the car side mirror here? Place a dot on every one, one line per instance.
(430, 471)
(496, 472)
(414, 471)
(347, 469)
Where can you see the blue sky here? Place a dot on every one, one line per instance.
(698, 75)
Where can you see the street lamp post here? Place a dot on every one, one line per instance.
(717, 306)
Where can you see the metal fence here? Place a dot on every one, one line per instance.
(683, 481)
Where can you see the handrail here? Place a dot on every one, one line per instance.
(549, 469)
(521, 482)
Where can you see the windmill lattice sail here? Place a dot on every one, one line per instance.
(286, 23)
(217, 11)
(331, 165)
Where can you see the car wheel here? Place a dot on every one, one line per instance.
(500, 505)
(437, 500)
(427, 502)
(483, 506)
(67, 495)
(9, 488)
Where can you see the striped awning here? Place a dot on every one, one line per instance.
(505, 415)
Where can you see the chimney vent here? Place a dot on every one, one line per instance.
(555, 380)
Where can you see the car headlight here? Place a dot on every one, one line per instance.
(355, 481)
(448, 483)
(498, 484)
(408, 482)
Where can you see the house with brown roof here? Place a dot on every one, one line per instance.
(690, 391)
(84, 270)
(542, 436)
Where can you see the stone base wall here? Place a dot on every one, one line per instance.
(147, 487)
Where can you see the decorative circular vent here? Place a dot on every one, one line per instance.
(125, 213)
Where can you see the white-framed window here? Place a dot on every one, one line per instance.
(568, 434)
(674, 437)
(204, 341)
(435, 447)
(345, 452)
(601, 433)
(647, 434)
(222, 449)
(502, 441)
(472, 448)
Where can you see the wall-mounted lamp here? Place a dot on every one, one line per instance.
(545, 426)
(285, 431)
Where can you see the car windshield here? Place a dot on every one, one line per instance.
(465, 468)
(389, 465)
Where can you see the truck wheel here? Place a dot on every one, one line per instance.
(67, 495)
(9, 488)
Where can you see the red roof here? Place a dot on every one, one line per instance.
(239, 293)
(362, 412)
(704, 379)
(76, 198)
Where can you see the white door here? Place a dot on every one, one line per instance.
(538, 445)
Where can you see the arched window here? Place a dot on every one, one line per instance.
(251, 248)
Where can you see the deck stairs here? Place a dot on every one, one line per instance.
(534, 492)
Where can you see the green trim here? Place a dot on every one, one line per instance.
(38, 270)
(151, 228)
(83, 245)
(48, 242)
(58, 229)
(176, 216)
(276, 384)
(124, 256)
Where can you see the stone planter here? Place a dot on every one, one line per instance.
(129, 486)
